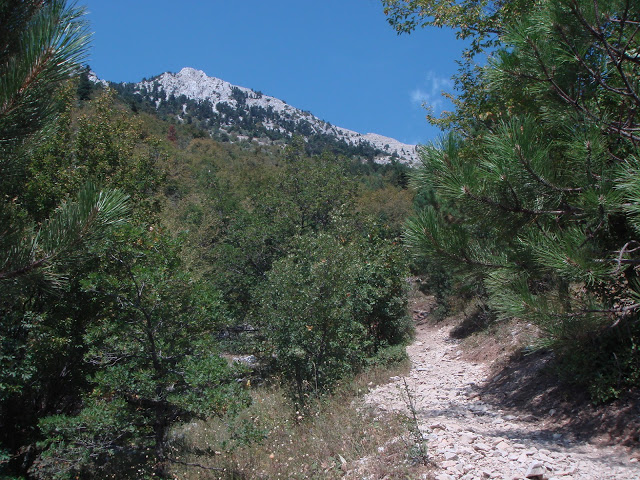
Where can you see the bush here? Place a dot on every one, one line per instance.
(606, 363)
(389, 356)
(327, 307)
(153, 351)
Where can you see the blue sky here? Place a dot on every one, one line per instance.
(338, 59)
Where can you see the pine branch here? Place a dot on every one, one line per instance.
(516, 209)
(615, 58)
(527, 166)
(50, 45)
(73, 225)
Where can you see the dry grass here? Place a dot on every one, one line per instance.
(336, 437)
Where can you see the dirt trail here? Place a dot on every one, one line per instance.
(470, 439)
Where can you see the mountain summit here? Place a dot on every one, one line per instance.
(228, 110)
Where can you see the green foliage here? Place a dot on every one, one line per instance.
(300, 197)
(110, 330)
(102, 144)
(389, 205)
(390, 356)
(41, 45)
(38, 338)
(90, 444)
(153, 349)
(60, 240)
(328, 306)
(540, 206)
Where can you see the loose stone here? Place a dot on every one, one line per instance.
(536, 471)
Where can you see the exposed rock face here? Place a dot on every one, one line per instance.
(275, 114)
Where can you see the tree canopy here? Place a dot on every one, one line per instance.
(540, 202)
(131, 258)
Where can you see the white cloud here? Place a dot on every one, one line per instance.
(430, 93)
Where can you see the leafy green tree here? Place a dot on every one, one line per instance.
(329, 305)
(301, 197)
(100, 143)
(390, 205)
(311, 188)
(545, 201)
(152, 347)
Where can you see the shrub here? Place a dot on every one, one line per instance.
(327, 307)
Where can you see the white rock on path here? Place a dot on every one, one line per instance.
(469, 439)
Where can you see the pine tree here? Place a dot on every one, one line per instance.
(541, 204)
(41, 45)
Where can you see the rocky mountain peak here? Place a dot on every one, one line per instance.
(249, 114)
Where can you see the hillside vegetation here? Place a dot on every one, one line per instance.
(138, 255)
(175, 296)
(533, 193)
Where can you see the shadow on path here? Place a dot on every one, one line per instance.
(528, 388)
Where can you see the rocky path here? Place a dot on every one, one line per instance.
(469, 439)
